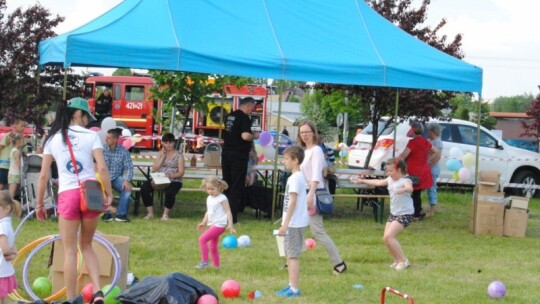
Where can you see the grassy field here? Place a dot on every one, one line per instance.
(449, 264)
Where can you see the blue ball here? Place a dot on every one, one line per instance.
(230, 242)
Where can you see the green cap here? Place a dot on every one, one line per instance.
(81, 104)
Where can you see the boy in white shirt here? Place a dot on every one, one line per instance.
(295, 219)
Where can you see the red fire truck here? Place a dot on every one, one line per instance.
(131, 105)
(211, 121)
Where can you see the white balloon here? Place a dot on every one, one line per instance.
(126, 132)
(102, 134)
(456, 153)
(269, 152)
(108, 123)
(244, 241)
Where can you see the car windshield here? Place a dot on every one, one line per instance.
(382, 131)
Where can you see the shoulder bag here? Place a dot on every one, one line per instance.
(92, 198)
(324, 201)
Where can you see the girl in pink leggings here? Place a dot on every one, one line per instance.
(218, 217)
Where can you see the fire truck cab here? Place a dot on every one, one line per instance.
(129, 105)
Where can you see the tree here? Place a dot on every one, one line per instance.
(533, 129)
(420, 103)
(463, 106)
(24, 94)
(516, 104)
(122, 72)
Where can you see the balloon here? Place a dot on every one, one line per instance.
(87, 292)
(269, 152)
(95, 129)
(456, 153)
(469, 160)
(455, 175)
(229, 242)
(2, 135)
(110, 298)
(264, 138)
(120, 140)
(343, 153)
(260, 158)
(259, 149)
(310, 243)
(453, 165)
(271, 143)
(102, 134)
(136, 138)
(108, 123)
(464, 174)
(230, 289)
(126, 132)
(244, 241)
(207, 299)
(42, 287)
(496, 290)
(127, 144)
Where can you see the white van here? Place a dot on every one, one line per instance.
(517, 166)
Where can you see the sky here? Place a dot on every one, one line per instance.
(500, 36)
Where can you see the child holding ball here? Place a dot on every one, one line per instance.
(295, 219)
(400, 188)
(218, 217)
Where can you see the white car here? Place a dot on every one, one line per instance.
(517, 166)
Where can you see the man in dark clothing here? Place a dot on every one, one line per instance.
(237, 138)
(285, 132)
(104, 105)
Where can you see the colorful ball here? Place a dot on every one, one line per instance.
(207, 299)
(87, 292)
(310, 243)
(496, 290)
(230, 289)
(110, 297)
(244, 241)
(229, 242)
(42, 287)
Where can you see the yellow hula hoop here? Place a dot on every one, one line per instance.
(24, 251)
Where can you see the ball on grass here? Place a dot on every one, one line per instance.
(310, 243)
(110, 298)
(87, 292)
(230, 289)
(244, 241)
(207, 299)
(496, 290)
(230, 242)
(42, 287)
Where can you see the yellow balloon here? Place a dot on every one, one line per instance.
(455, 175)
(469, 160)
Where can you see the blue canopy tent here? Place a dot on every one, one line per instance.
(340, 41)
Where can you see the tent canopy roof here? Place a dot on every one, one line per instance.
(340, 41)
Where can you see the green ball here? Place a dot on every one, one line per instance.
(111, 297)
(42, 287)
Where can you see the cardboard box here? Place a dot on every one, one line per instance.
(212, 155)
(105, 261)
(519, 202)
(489, 215)
(488, 181)
(515, 222)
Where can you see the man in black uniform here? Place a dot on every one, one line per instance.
(237, 138)
(104, 105)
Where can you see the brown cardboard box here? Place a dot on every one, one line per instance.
(488, 181)
(489, 215)
(105, 260)
(515, 222)
(519, 202)
(212, 155)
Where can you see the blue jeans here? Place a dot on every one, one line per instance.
(123, 203)
(432, 191)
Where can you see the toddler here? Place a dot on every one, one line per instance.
(8, 251)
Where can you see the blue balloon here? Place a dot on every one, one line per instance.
(453, 165)
(343, 153)
(229, 242)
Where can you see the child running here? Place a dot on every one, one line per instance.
(295, 219)
(8, 251)
(401, 208)
(14, 173)
(218, 217)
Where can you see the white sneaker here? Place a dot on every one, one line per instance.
(202, 265)
(149, 216)
(393, 265)
(403, 265)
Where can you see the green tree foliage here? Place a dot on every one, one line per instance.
(516, 104)
(463, 106)
(122, 72)
(533, 128)
(24, 91)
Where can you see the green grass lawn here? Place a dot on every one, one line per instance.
(449, 264)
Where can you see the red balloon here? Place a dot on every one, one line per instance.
(230, 289)
(127, 143)
(207, 299)
(87, 292)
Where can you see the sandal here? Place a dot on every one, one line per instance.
(98, 298)
(164, 218)
(340, 268)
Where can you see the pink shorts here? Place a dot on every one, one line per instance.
(7, 285)
(69, 205)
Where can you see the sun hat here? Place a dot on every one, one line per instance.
(81, 104)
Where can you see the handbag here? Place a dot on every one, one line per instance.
(324, 201)
(92, 198)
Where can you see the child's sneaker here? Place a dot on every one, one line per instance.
(283, 291)
(202, 265)
(289, 293)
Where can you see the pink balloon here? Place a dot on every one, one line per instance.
(120, 140)
(95, 129)
(207, 299)
(127, 144)
(464, 174)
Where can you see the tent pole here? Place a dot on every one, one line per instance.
(396, 122)
(65, 84)
(475, 192)
(276, 156)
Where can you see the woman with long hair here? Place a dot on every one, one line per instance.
(312, 167)
(68, 129)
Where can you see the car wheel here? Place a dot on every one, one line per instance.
(529, 178)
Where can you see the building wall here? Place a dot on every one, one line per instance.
(511, 128)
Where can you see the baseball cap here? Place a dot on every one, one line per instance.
(81, 104)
